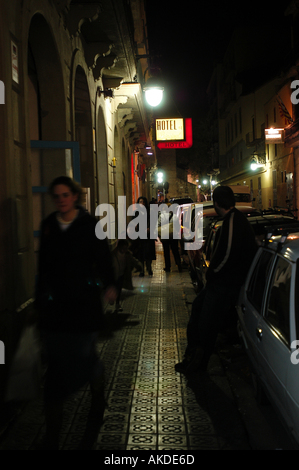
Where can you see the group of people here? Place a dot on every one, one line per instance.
(77, 271)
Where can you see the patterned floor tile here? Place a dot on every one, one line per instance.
(111, 439)
(143, 427)
(148, 440)
(172, 440)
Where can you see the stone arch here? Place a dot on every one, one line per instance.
(47, 113)
(83, 132)
(46, 91)
(102, 158)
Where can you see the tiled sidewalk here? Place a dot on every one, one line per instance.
(150, 406)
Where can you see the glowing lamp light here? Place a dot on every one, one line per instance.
(160, 177)
(153, 91)
(154, 96)
(254, 165)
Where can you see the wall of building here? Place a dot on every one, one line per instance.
(52, 94)
(242, 136)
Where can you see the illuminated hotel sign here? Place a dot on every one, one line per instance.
(274, 136)
(170, 129)
(174, 133)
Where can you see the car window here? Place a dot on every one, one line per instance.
(278, 310)
(210, 243)
(242, 197)
(207, 222)
(214, 241)
(257, 283)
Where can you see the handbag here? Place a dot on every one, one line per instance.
(24, 381)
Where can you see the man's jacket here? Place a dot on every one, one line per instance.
(234, 252)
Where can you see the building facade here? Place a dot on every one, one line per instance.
(72, 73)
(254, 114)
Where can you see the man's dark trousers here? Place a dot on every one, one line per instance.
(212, 311)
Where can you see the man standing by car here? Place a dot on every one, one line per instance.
(213, 308)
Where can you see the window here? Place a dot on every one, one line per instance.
(274, 186)
(240, 120)
(278, 311)
(258, 280)
(253, 129)
(212, 242)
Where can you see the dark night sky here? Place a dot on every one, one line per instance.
(190, 38)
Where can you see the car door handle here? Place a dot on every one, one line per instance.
(259, 333)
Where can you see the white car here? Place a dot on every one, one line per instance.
(268, 314)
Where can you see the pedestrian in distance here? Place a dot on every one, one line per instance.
(146, 251)
(166, 223)
(75, 272)
(214, 307)
(124, 263)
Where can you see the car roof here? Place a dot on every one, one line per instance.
(281, 232)
(210, 211)
(287, 245)
(181, 200)
(257, 219)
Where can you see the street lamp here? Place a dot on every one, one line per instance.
(153, 91)
(257, 162)
(160, 177)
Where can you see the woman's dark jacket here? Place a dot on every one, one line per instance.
(74, 267)
(146, 248)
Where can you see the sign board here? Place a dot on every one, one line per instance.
(274, 136)
(184, 143)
(170, 129)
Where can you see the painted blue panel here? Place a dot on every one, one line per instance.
(39, 189)
(56, 144)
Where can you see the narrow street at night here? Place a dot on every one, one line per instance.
(127, 125)
(150, 406)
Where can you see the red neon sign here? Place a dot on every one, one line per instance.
(185, 144)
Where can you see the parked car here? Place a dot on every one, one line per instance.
(181, 200)
(260, 224)
(268, 314)
(242, 194)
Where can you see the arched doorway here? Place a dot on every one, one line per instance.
(83, 134)
(46, 102)
(47, 117)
